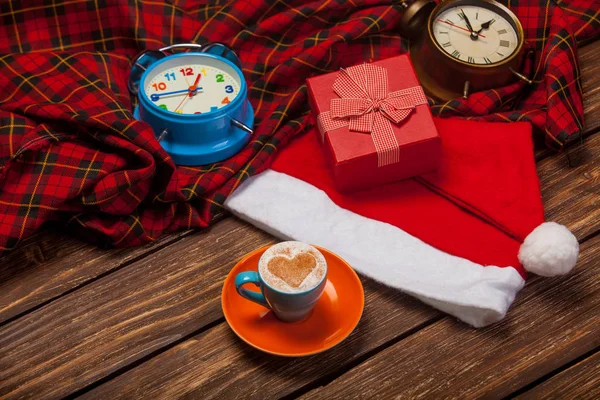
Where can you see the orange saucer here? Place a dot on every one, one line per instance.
(334, 317)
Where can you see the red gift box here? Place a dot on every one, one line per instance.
(397, 137)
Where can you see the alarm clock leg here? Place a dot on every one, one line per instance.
(241, 125)
(163, 135)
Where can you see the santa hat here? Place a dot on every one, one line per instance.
(460, 239)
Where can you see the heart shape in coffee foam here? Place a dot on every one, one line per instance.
(292, 271)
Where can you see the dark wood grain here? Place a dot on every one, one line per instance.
(589, 63)
(52, 263)
(571, 195)
(581, 381)
(116, 320)
(216, 364)
(553, 322)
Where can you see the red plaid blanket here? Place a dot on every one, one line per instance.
(71, 152)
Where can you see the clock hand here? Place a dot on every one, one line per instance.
(474, 34)
(485, 25)
(156, 96)
(466, 20)
(460, 27)
(177, 108)
(194, 88)
(186, 80)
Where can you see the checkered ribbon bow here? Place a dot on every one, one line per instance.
(365, 105)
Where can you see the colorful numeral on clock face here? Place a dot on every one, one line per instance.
(192, 85)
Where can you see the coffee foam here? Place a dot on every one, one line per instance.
(278, 258)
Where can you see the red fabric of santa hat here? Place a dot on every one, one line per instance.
(460, 239)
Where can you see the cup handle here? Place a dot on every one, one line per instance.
(250, 277)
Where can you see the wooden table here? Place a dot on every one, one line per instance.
(147, 322)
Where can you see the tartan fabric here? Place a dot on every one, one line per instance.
(71, 152)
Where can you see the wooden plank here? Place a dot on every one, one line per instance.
(92, 332)
(589, 63)
(581, 381)
(572, 195)
(216, 364)
(52, 263)
(553, 322)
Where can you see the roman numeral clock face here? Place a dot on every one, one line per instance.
(475, 35)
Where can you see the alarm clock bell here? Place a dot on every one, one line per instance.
(196, 102)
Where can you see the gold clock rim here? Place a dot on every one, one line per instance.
(507, 60)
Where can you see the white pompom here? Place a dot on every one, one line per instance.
(551, 249)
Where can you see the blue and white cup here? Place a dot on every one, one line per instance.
(287, 287)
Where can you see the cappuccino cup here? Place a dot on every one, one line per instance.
(291, 277)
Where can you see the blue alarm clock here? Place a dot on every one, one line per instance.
(196, 102)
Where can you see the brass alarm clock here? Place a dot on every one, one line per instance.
(463, 46)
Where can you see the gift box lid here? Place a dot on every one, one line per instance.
(346, 145)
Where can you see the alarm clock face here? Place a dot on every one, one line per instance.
(475, 32)
(192, 84)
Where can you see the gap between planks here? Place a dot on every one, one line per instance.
(12, 311)
(52, 264)
(587, 365)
